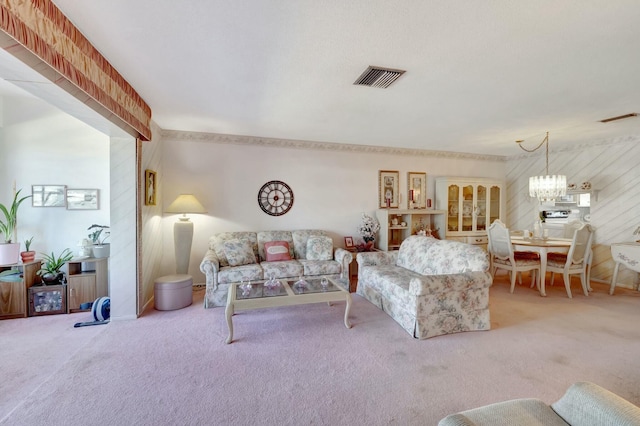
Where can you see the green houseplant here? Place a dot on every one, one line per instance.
(51, 272)
(9, 251)
(98, 236)
(28, 255)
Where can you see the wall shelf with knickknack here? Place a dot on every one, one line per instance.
(396, 225)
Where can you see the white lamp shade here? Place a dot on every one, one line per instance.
(186, 203)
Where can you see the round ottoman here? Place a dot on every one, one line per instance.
(173, 292)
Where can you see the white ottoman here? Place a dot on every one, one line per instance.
(173, 292)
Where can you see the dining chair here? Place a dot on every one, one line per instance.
(503, 256)
(568, 231)
(575, 261)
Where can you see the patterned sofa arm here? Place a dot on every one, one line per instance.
(344, 258)
(210, 266)
(373, 258)
(433, 284)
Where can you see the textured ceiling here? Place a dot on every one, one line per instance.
(480, 74)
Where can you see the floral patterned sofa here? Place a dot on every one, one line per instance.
(241, 256)
(429, 286)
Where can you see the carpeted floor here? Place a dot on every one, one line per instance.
(300, 365)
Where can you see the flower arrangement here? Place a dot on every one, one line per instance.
(368, 228)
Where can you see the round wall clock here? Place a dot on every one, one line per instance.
(275, 198)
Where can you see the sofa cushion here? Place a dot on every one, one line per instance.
(235, 274)
(429, 256)
(526, 411)
(320, 267)
(216, 243)
(239, 252)
(300, 238)
(413, 253)
(264, 237)
(319, 248)
(276, 250)
(282, 269)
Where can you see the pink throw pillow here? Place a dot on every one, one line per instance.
(276, 250)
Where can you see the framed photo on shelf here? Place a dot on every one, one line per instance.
(388, 187)
(149, 188)
(82, 199)
(417, 190)
(348, 242)
(48, 195)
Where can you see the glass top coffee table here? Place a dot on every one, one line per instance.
(260, 295)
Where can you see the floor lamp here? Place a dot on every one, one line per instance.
(183, 229)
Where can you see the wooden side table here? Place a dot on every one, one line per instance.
(13, 288)
(353, 269)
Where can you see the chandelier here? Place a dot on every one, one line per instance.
(548, 187)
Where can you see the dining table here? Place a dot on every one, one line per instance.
(543, 246)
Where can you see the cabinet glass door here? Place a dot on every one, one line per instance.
(453, 208)
(494, 204)
(467, 208)
(481, 209)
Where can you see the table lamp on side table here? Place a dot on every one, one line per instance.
(183, 229)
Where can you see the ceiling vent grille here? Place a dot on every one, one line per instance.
(378, 77)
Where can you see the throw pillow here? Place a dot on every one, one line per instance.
(239, 252)
(319, 248)
(276, 250)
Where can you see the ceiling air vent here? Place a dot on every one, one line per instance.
(378, 77)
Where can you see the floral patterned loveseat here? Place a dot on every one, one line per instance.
(241, 256)
(429, 286)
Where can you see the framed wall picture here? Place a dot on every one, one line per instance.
(388, 187)
(83, 199)
(348, 242)
(48, 195)
(417, 190)
(149, 188)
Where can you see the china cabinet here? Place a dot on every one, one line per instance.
(397, 224)
(471, 205)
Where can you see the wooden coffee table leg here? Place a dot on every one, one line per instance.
(346, 312)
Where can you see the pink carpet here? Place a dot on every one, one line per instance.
(300, 365)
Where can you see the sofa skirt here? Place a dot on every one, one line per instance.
(436, 314)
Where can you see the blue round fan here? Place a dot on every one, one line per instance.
(101, 309)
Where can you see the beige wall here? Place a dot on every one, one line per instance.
(332, 184)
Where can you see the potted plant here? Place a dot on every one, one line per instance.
(98, 236)
(28, 255)
(51, 272)
(9, 252)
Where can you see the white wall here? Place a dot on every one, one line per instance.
(123, 264)
(152, 236)
(611, 167)
(42, 145)
(332, 185)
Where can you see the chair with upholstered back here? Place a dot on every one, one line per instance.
(569, 229)
(502, 255)
(576, 260)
